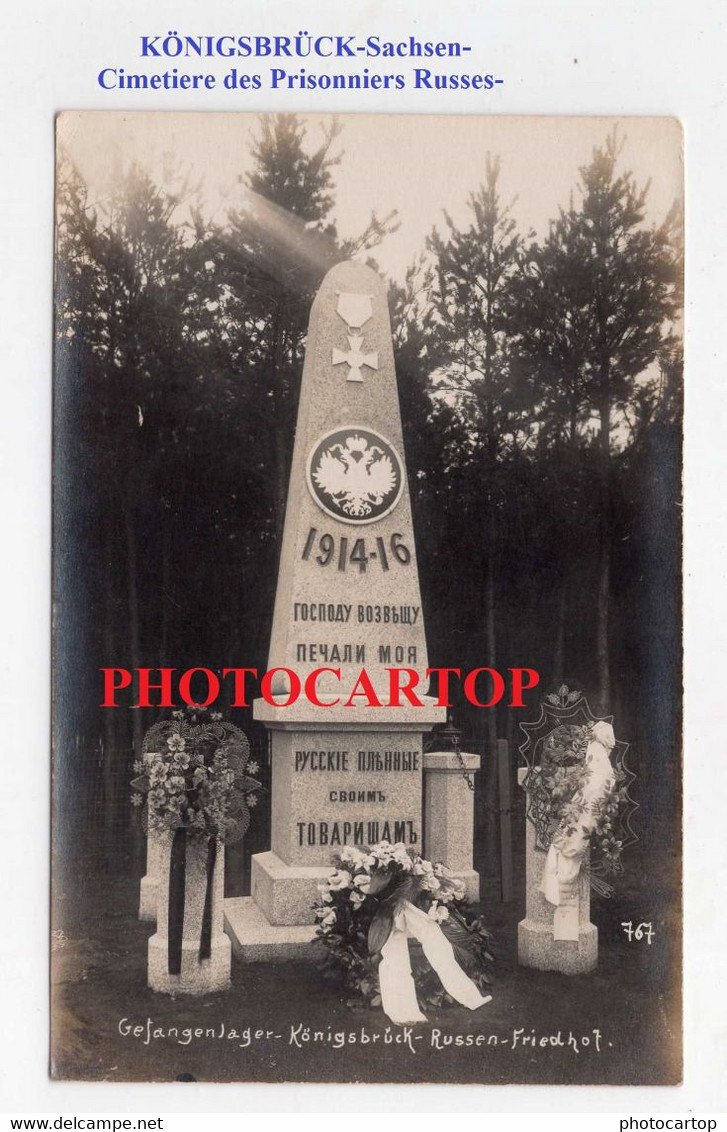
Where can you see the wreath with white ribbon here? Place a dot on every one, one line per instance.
(578, 800)
(375, 904)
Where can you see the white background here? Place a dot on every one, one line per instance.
(632, 58)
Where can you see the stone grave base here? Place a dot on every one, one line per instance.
(211, 974)
(276, 923)
(286, 893)
(256, 940)
(537, 948)
(148, 899)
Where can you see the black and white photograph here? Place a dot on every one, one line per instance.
(367, 586)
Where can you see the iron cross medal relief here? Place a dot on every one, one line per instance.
(355, 310)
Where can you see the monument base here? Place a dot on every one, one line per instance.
(195, 977)
(537, 948)
(256, 940)
(276, 923)
(284, 893)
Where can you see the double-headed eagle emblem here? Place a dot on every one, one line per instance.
(357, 475)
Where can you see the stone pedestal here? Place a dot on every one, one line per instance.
(449, 815)
(196, 977)
(149, 888)
(324, 796)
(536, 945)
(285, 893)
(256, 940)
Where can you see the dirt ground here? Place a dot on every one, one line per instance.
(284, 1022)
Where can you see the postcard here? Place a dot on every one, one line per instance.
(367, 760)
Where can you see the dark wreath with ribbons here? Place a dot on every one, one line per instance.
(195, 779)
(554, 752)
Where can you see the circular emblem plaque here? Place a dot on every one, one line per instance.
(355, 475)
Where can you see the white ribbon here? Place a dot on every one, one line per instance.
(561, 875)
(398, 993)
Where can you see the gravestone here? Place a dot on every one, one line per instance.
(149, 887)
(195, 975)
(537, 935)
(578, 808)
(347, 599)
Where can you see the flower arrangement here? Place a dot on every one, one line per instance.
(557, 790)
(357, 909)
(196, 775)
(563, 774)
(608, 818)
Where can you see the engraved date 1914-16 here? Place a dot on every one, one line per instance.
(326, 548)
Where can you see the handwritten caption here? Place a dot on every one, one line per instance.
(301, 1036)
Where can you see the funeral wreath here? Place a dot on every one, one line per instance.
(559, 789)
(577, 785)
(196, 775)
(362, 905)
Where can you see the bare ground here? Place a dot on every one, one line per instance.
(628, 1009)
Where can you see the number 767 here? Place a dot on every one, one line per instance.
(641, 931)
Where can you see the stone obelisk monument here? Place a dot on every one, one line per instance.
(347, 599)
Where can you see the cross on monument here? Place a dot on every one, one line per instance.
(355, 358)
(355, 308)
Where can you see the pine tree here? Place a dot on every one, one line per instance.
(126, 351)
(592, 309)
(473, 269)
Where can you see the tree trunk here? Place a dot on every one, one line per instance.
(282, 417)
(166, 595)
(560, 623)
(604, 564)
(111, 744)
(107, 748)
(490, 631)
(133, 605)
(491, 833)
(281, 479)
